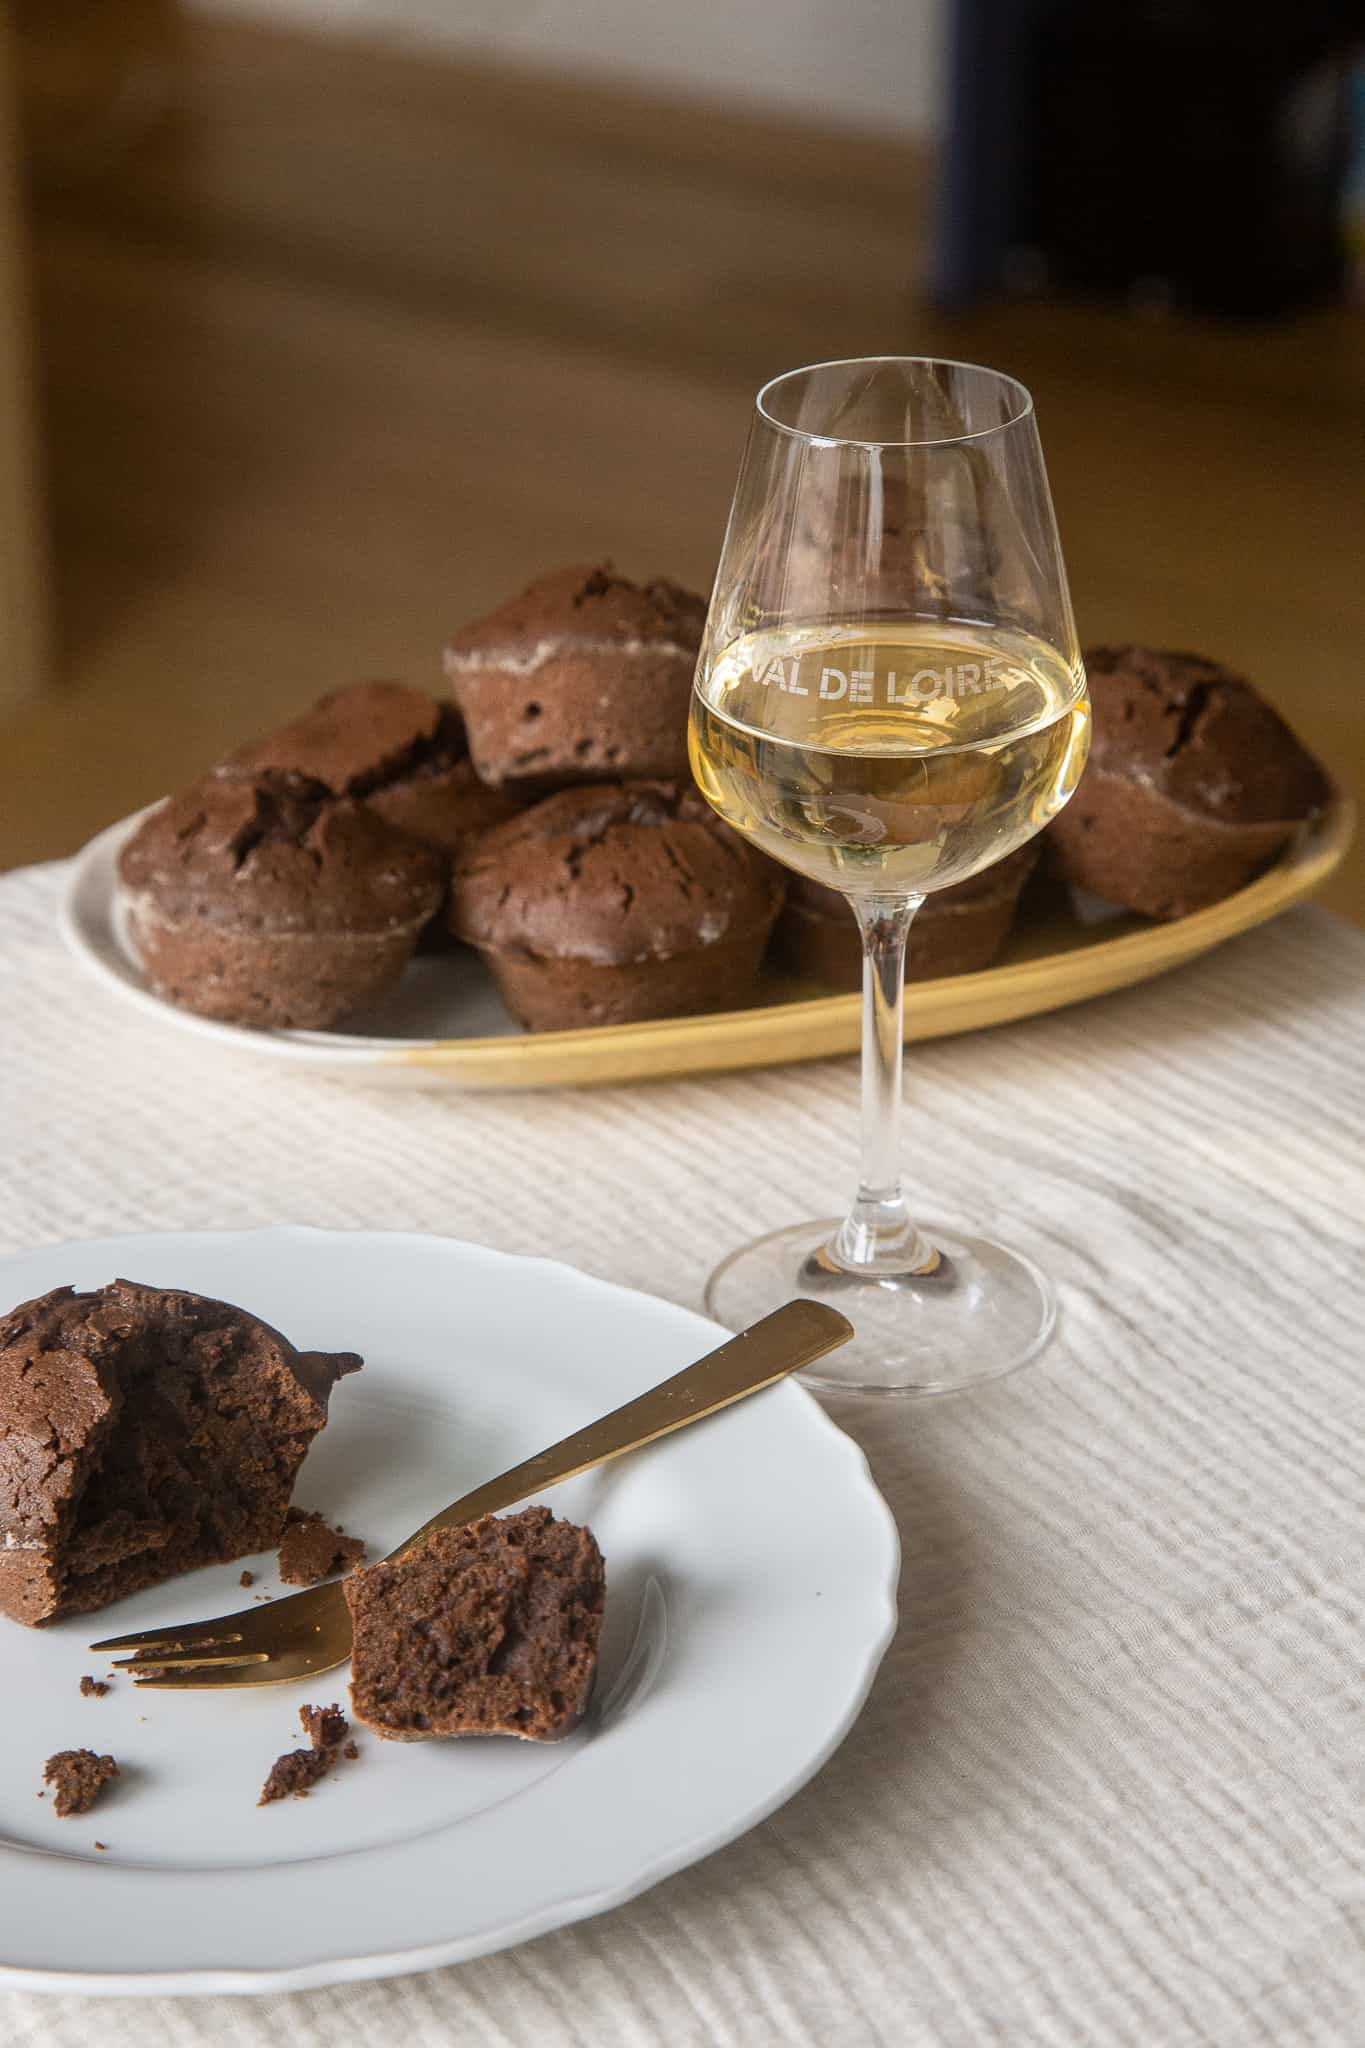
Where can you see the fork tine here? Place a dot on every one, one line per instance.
(307, 1633)
(154, 1661)
(220, 1631)
(190, 1677)
(270, 1627)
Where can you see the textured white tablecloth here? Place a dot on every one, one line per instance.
(1108, 1788)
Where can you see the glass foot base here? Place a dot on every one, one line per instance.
(974, 1312)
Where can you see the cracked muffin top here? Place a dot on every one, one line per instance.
(277, 854)
(611, 873)
(398, 748)
(356, 740)
(1200, 735)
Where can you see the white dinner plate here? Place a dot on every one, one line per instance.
(751, 1578)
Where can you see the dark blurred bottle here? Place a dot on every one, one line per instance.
(1189, 153)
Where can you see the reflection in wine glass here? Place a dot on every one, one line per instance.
(890, 698)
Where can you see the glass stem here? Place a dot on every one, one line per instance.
(878, 1234)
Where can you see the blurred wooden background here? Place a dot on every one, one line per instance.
(337, 346)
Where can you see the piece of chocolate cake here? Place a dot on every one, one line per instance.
(325, 1727)
(489, 1629)
(77, 1777)
(311, 1550)
(294, 1775)
(144, 1432)
(584, 675)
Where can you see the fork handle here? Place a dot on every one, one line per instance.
(767, 1351)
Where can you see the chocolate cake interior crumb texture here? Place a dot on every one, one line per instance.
(294, 1775)
(77, 1777)
(488, 1629)
(143, 1432)
(325, 1727)
(310, 1550)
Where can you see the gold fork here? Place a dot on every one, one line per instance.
(311, 1632)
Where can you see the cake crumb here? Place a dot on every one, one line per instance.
(350, 1752)
(77, 1777)
(294, 1775)
(93, 1688)
(311, 1550)
(101, 1845)
(247, 1579)
(325, 1727)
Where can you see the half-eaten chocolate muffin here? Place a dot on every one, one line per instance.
(489, 1629)
(144, 1432)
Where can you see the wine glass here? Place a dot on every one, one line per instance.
(889, 698)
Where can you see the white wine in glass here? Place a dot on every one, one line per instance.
(889, 699)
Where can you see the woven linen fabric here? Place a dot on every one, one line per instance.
(1108, 1788)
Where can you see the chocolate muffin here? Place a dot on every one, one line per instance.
(144, 1432)
(957, 931)
(489, 1629)
(266, 902)
(398, 748)
(1193, 783)
(615, 903)
(585, 675)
